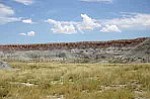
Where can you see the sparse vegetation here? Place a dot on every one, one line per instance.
(37, 80)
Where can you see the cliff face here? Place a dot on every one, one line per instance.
(108, 51)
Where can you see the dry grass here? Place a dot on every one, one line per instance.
(75, 81)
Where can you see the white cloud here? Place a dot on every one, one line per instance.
(62, 27)
(28, 21)
(25, 2)
(6, 10)
(6, 14)
(31, 33)
(134, 21)
(110, 28)
(4, 20)
(70, 27)
(87, 23)
(23, 34)
(66, 29)
(96, 0)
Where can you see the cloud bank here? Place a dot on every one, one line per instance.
(134, 21)
(70, 27)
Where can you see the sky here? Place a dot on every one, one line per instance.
(45, 21)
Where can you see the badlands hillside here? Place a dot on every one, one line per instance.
(115, 51)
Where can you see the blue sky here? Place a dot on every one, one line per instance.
(44, 21)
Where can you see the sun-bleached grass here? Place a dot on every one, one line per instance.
(39, 80)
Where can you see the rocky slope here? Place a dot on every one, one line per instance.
(134, 50)
(140, 53)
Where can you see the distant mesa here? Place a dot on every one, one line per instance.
(115, 51)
